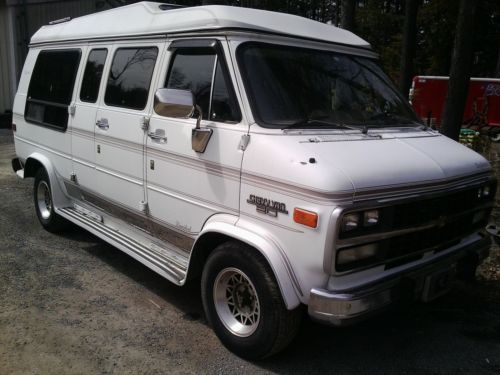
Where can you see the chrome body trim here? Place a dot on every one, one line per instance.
(162, 231)
(173, 267)
(347, 306)
(335, 220)
(385, 235)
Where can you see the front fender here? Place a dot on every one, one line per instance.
(233, 227)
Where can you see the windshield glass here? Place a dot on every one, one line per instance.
(304, 88)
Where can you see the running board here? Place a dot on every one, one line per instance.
(167, 262)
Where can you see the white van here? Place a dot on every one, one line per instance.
(264, 153)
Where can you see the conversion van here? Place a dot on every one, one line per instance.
(266, 154)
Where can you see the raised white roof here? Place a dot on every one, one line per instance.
(148, 18)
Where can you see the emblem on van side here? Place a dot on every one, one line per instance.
(267, 206)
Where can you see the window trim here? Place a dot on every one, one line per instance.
(46, 103)
(214, 46)
(150, 79)
(212, 86)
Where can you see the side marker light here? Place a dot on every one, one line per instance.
(304, 217)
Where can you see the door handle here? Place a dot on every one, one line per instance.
(102, 124)
(158, 135)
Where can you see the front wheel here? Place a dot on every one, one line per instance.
(44, 204)
(243, 302)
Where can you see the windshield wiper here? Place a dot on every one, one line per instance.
(318, 124)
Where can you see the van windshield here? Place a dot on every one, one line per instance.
(293, 87)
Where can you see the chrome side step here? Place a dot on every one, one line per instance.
(167, 262)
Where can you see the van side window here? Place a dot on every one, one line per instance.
(224, 106)
(51, 88)
(130, 77)
(92, 75)
(194, 70)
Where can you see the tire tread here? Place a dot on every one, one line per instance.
(287, 322)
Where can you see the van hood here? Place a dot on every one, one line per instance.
(361, 165)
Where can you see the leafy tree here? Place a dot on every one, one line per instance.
(381, 23)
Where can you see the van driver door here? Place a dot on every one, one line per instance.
(184, 187)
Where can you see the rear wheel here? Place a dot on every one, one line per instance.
(44, 205)
(243, 302)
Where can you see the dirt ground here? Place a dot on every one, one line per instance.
(71, 304)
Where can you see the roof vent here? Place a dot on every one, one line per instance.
(61, 20)
(170, 6)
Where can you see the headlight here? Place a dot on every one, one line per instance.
(355, 254)
(370, 218)
(360, 219)
(486, 191)
(350, 222)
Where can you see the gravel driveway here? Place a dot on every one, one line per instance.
(71, 304)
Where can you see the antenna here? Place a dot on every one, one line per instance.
(170, 6)
(60, 20)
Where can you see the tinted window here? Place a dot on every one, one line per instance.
(306, 88)
(224, 107)
(92, 76)
(194, 70)
(51, 87)
(130, 77)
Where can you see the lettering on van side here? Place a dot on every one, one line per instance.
(267, 206)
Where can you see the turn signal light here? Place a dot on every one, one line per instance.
(307, 218)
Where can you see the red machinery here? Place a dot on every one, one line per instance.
(482, 109)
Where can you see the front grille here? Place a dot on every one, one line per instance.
(415, 213)
(432, 224)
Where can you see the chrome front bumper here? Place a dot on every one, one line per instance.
(351, 306)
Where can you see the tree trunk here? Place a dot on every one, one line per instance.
(497, 70)
(461, 64)
(347, 14)
(409, 45)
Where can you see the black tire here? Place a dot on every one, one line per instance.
(44, 207)
(276, 325)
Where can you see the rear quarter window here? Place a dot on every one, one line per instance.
(92, 75)
(51, 88)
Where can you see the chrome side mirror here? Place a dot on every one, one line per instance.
(181, 104)
(174, 103)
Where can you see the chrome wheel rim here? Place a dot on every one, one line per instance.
(236, 302)
(44, 200)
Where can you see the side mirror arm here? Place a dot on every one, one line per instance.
(200, 136)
